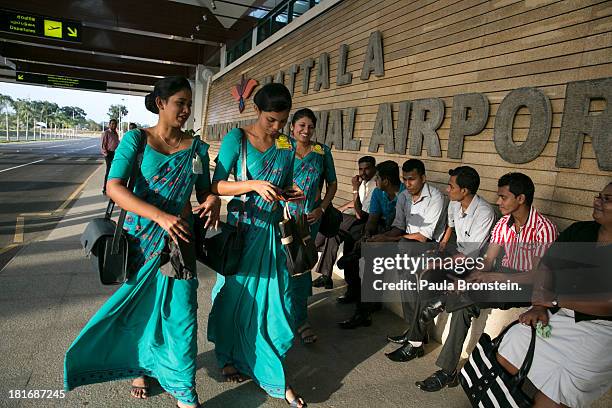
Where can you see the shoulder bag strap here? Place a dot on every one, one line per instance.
(524, 370)
(130, 186)
(526, 366)
(243, 171)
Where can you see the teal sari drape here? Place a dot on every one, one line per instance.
(148, 326)
(251, 320)
(309, 173)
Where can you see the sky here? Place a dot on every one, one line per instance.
(95, 104)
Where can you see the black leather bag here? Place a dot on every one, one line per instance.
(297, 243)
(330, 222)
(487, 383)
(222, 252)
(178, 261)
(105, 241)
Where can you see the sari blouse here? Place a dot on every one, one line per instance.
(310, 172)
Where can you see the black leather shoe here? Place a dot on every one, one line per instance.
(438, 380)
(405, 338)
(399, 339)
(357, 320)
(406, 353)
(347, 298)
(323, 281)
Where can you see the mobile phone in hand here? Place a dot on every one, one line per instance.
(294, 194)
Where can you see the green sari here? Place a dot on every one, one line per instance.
(309, 173)
(251, 321)
(148, 326)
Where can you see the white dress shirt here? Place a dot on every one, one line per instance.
(426, 216)
(365, 193)
(473, 226)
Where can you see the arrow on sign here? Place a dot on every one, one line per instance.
(20, 77)
(72, 32)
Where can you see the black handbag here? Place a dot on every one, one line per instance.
(297, 242)
(104, 240)
(222, 252)
(330, 222)
(178, 260)
(487, 383)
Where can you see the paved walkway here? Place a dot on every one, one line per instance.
(49, 291)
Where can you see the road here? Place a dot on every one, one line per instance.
(37, 179)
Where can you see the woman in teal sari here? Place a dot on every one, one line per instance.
(251, 321)
(314, 166)
(148, 327)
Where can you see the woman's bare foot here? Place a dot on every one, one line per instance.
(307, 335)
(232, 375)
(293, 399)
(140, 388)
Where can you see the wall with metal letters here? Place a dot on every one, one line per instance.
(498, 85)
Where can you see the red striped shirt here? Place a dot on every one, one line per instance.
(533, 239)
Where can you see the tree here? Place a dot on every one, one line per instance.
(92, 125)
(23, 110)
(6, 102)
(117, 112)
(76, 115)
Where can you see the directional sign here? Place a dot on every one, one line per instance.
(17, 22)
(60, 81)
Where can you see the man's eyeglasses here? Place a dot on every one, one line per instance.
(604, 198)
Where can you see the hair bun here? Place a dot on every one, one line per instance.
(150, 103)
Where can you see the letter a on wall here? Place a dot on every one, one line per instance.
(374, 61)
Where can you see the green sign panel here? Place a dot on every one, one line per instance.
(61, 81)
(53, 28)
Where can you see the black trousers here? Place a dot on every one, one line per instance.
(415, 302)
(351, 275)
(109, 160)
(351, 230)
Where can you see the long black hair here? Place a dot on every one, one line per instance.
(165, 88)
(273, 97)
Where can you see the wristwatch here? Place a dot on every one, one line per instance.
(555, 301)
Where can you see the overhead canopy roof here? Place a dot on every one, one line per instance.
(129, 42)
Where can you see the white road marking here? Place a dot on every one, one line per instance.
(22, 165)
(78, 150)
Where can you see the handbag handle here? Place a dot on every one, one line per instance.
(130, 186)
(526, 366)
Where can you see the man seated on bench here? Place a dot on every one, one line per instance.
(471, 218)
(524, 234)
(351, 228)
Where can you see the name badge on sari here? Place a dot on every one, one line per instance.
(283, 143)
(197, 166)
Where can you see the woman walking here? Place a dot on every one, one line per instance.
(251, 322)
(148, 327)
(314, 166)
